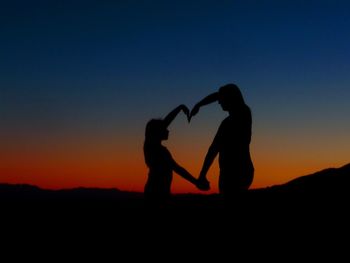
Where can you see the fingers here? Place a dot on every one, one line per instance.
(188, 117)
(203, 184)
(189, 114)
(186, 110)
(194, 111)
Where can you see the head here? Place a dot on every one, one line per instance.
(230, 97)
(156, 130)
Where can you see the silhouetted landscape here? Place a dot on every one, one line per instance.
(310, 206)
(326, 188)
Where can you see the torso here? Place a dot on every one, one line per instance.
(233, 141)
(159, 161)
(233, 138)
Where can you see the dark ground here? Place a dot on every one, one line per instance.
(307, 215)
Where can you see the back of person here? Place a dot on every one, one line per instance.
(159, 161)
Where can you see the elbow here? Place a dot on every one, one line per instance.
(212, 151)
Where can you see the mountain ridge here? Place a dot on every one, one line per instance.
(328, 181)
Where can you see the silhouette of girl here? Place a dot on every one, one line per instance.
(159, 160)
(231, 142)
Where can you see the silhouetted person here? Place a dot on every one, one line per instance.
(160, 162)
(231, 142)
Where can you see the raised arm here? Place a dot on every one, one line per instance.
(207, 100)
(171, 115)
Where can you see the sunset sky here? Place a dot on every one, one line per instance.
(80, 79)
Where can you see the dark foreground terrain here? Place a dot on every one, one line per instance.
(291, 217)
(322, 191)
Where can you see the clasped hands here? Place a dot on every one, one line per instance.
(203, 184)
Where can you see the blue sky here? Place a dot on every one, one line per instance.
(106, 67)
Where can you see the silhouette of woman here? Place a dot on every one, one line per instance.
(231, 142)
(159, 160)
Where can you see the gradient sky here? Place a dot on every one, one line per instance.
(80, 79)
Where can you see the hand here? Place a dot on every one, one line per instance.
(186, 111)
(203, 184)
(194, 111)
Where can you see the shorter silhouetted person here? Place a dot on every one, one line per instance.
(160, 162)
(231, 143)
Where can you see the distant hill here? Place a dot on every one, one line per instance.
(326, 184)
(306, 209)
(323, 192)
(26, 192)
(294, 208)
(331, 180)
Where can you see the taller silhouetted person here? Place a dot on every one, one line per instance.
(231, 142)
(160, 162)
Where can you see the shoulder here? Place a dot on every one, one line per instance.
(225, 124)
(165, 151)
(244, 113)
(247, 109)
(227, 121)
(248, 113)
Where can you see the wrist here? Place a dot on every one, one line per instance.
(202, 176)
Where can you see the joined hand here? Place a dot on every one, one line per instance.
(193, 112)
(203, 184)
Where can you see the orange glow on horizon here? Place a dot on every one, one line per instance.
(130, 172)
(105, 163)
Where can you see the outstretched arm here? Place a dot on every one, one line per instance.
(171, 115)
(189, 177)
(207, 100)
(184, 173)
(211, 155)
(209, 158)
